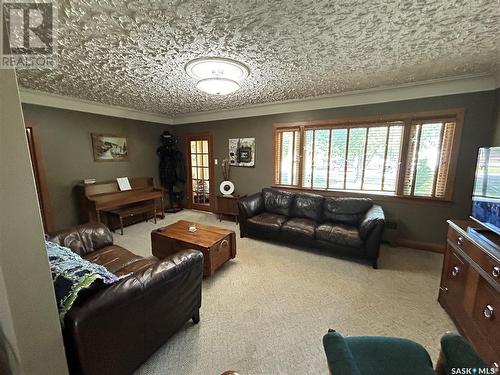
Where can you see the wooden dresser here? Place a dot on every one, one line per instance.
(470, 286)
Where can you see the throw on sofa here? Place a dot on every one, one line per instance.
(351, 226)
(115, 328)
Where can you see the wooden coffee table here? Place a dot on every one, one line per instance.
(218, 245)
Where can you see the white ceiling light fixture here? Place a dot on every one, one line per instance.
(217, 75)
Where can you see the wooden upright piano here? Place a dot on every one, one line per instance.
(101, 196)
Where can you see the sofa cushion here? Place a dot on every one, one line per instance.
(118, 260)
(299, 227)
(267, 221)
(348, 211)
(137, 266)
(85, 238)
(277, 201)
(309, 206)
(339, 234)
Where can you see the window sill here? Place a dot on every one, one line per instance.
(376, 196)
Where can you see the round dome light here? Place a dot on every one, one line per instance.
(217, 86)
(217, 75)
(216, 67)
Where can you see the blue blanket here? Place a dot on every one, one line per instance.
(71, 274)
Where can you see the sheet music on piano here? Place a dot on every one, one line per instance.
(123, 183)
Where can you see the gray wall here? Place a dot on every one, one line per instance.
(496, 138)
(67, 152)
(418, 221)
(28, 310)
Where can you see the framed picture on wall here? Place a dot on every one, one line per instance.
(109, 147)
(242, 152)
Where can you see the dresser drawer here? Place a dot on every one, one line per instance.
(486, 313)
(460, 241)
(489, 265)
(482, 259)
(454, 276)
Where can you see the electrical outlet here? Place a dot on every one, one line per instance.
(216, 161)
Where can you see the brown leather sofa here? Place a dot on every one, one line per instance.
(113, 329)
(351, 226)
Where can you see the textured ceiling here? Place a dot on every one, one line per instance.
(132, 53)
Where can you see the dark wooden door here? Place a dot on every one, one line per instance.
(200, 162)
(40, 180)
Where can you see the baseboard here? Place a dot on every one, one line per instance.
(419, 245)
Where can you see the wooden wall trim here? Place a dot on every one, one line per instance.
(38, 165)
(375, 120)
(46, 99)
(419, 245)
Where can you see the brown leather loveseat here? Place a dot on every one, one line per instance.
(113, 329)
(351, 226)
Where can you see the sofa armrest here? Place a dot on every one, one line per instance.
(457, 352)
(338, 355)
(133, 317)
(139, 286)
(371, 229)
(373, 218)
(250, 206)
(85, 238)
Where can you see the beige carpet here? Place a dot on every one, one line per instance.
(266, 311)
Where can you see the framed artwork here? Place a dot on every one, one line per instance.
(108, 147)
(242, 152)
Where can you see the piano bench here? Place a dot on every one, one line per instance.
(130, 211)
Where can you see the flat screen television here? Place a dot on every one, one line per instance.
(486, 194)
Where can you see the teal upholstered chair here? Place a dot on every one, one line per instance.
(375, 355)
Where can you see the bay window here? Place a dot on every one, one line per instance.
(400, 155)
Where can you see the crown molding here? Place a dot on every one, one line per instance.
(424, 89)
(66, 102)
(418, 90)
